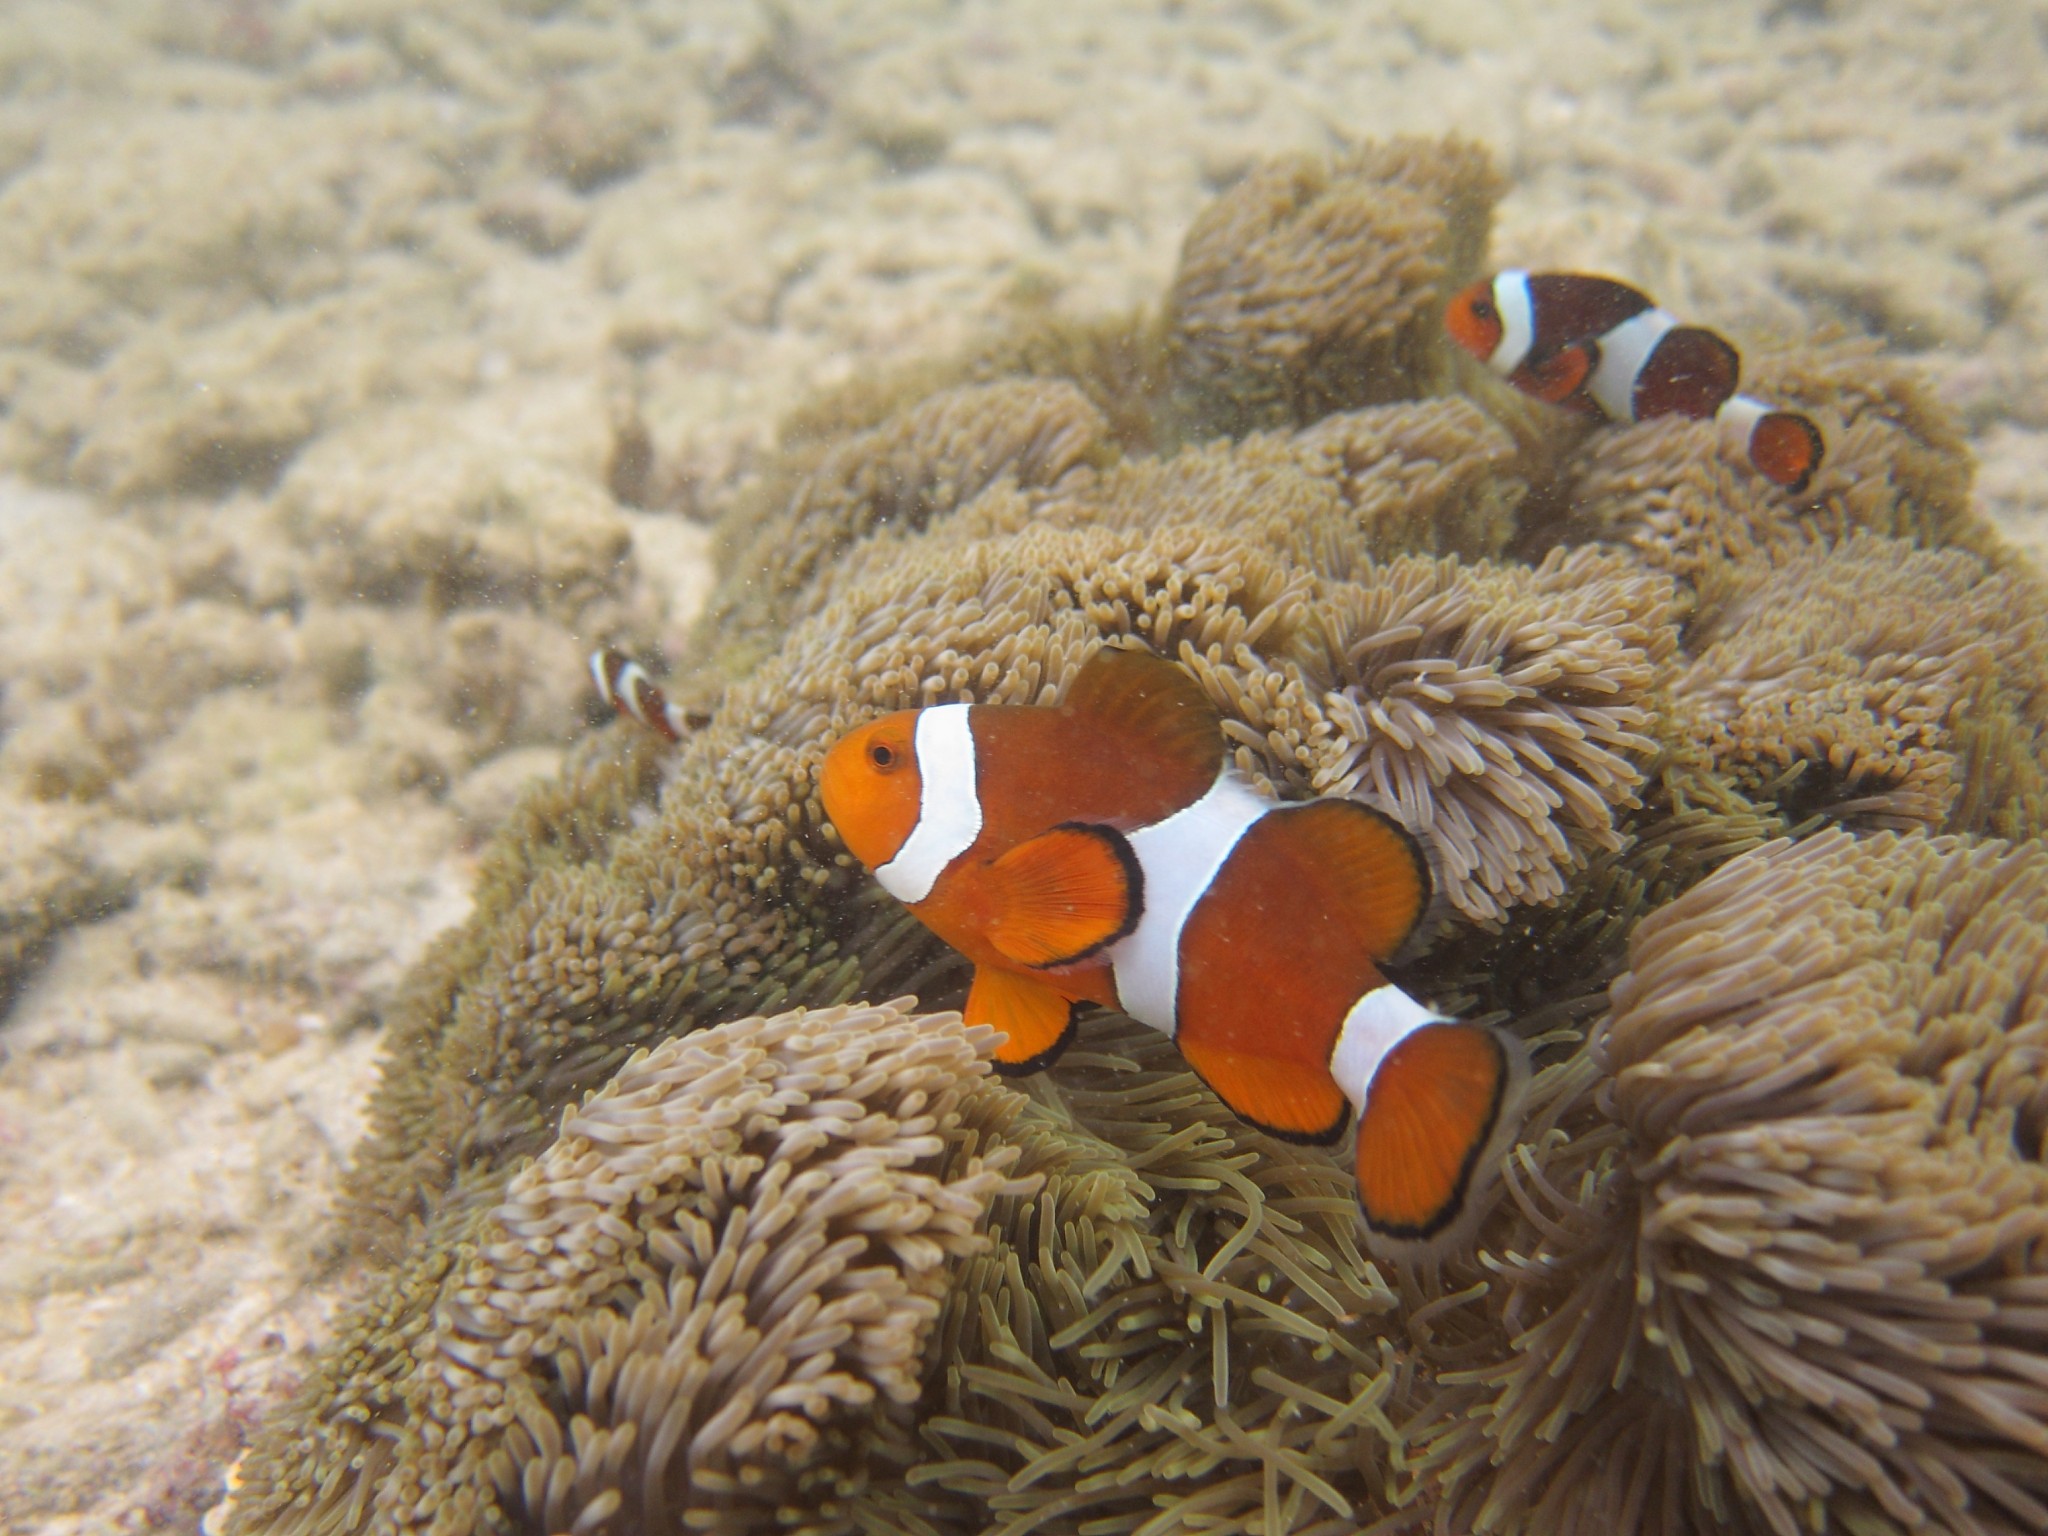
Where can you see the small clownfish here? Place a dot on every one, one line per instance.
(1104, 851)
(624, 684)
(1596, 344)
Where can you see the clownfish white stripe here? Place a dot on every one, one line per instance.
(1517, 321)
(1623, 351)
(948, 808)
(1180, 857)
(1377, 1022)
(1739, 415)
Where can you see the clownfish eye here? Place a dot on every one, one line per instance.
(1482, 309)
(882, 755)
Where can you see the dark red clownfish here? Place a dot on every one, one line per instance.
(1599, 345)
(624, 684)
(1104, 851)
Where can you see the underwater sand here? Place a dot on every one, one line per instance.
(334, 340)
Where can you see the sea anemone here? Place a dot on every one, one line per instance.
(1851, 682)
(1788, 1270)
(1770, 1252)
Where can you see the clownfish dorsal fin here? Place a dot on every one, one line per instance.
(1038, 1021)
(1370, 868)
(1558, 376)
(1149, 708)
(1429, 1119)
(1281, 1097)
(1063, 895)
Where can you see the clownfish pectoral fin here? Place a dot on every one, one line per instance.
(1560, 375)
(1064, 895)
(1786, 449)
(1150, 710)
(1431, 1113)
(1374, 872)
(1282, 1098)
(1038, 1021)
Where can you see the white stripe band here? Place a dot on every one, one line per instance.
(1180, 857)
(1739, 414)
(1377, 1022)
(1517, 321)
(1623, 351)
(948, 807)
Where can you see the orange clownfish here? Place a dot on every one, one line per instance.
(1105, 851)
(1600, 345)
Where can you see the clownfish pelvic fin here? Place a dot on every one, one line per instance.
(1038, 1021)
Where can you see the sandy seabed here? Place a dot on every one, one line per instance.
(363, 362)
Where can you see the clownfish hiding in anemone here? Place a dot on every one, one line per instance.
(624, 684)
(1104, 851)
(1599, 345)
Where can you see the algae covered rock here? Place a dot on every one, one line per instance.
(673, 1223)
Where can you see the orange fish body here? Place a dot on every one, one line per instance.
(1104, 852)
(1598, 345)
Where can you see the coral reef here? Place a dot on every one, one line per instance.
(1822, 1135)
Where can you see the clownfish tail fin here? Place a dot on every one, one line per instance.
(1782, 446)
(624, 684)
(1438, 1107)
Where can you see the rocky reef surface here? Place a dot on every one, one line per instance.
(364, 364)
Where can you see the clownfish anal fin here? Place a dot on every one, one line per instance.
(1430, 1112)
(1038, 1021)
(1374, 872)
(1282, 1098)
(1064, 895)
(1561, 374)
(1150, 710)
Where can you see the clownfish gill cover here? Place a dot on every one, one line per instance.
(958, 770)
